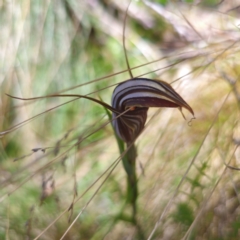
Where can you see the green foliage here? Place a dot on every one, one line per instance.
(12, 148)
(184, 214)
(235, 229)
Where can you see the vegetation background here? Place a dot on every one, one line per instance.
(57, 173)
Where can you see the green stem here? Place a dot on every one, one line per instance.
(129, 163)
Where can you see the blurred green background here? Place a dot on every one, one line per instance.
(186, 190)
